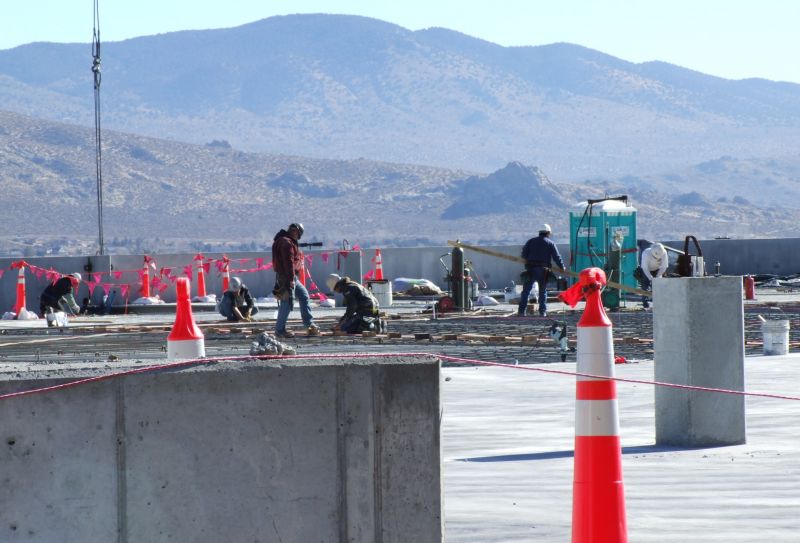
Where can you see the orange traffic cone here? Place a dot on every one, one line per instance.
(186, 340)
(378, 265)
(226, 274)
(20, 304)
(146, 277)
(598, 501)
(302, 276)
(201, 276)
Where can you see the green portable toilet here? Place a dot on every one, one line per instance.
(603, 235)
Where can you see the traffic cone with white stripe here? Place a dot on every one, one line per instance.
(20, 303)
(226, 274)
(186, 340)
(598, 501)
(146, 277)
(378, 265)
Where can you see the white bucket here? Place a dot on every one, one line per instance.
(776, 337)
(382, 290)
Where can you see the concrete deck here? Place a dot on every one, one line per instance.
(508, 441)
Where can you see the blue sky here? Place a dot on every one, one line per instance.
(733, 39)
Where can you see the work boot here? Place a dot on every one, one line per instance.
(285, 334)
(313, 330)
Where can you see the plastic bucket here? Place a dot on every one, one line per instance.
(776, 337)
(382, 290)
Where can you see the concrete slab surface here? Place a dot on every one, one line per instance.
(508, 464)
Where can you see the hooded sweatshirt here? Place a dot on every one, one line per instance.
(287, 258)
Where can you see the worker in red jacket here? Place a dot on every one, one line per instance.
(287, 261)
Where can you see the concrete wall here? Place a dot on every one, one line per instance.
(698, 334)
(736, 257)
(317, 450)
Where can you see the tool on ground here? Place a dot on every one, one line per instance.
(558, 333)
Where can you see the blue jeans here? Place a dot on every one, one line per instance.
(285, 307)
(539, 275)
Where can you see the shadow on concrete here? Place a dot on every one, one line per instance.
(551, 455)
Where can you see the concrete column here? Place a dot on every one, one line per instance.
(698, 333)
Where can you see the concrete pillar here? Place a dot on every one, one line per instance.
(698, 333)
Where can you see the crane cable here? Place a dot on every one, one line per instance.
(98, 146)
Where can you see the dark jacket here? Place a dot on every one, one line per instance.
(358, 301)
(287, 258)
(52, 295)
(539, 251)
(230, 300)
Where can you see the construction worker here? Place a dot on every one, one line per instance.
(287, 260)
(538, 253)
(361, 307)
(59, 296)
(654, 263)
(236, 303)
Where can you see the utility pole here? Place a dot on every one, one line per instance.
(98, 142)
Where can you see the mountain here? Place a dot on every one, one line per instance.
(170, 196)
(507, 190)
(346, 87)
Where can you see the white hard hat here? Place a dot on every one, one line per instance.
(332, 280)
(236, 283)
(545, 228)
(76, 276)
(657, 250)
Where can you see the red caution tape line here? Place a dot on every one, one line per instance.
(211, 360)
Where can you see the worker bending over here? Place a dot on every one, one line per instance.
(538, 253)
(654, 263)
(361, 308)
(237, 304)
(59, 295)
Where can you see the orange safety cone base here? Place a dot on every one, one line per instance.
(20, 305)
(598, 503)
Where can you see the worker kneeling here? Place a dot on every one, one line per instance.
(361, 308)
(237, 304)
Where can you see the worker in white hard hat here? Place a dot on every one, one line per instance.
(361, 307)
(539, 254)
(654, 263)
(237, 304)
(59, 296)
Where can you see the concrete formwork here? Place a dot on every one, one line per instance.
(698, 334)
(736, 257)
(306, 450)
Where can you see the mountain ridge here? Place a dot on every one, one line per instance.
(169, 196)
(339, 86)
